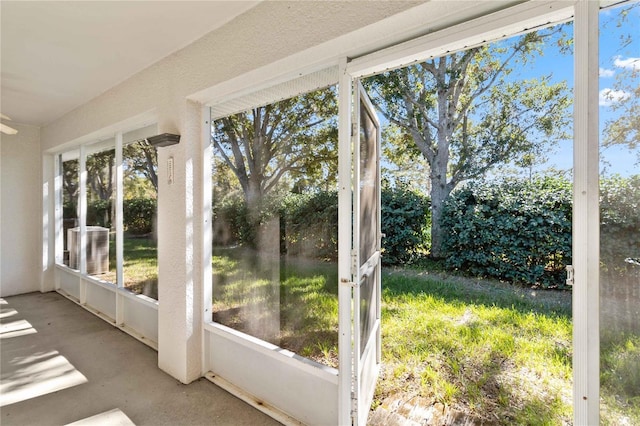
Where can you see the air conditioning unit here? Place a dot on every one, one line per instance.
(97, 249)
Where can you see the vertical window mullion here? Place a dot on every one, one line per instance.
(82, 208)
(58, 209)
(586, 362)
(119, 212)
(207, 249)
(345, 206)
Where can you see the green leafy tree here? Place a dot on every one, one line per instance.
(70, 184)
(293, 137)
(136, 186)
(405, 165)
(623, 98)
(465, 115)
(142, 160)
(101, 174)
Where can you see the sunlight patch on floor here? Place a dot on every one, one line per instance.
(6, 313)
(34, 375)
(16, 328)
(113, 417)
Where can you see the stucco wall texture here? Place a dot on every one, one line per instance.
(21, 211)
(264, 34)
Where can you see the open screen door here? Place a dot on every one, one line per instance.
(366, 246)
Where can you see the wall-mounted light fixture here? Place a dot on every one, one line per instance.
(165, 139)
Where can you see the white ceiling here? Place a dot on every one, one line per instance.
(57, 55)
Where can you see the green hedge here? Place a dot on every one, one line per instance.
(514, 230)
(405, 222)
(99, 213)
(138, 215)
(309, 223)
(620, 225)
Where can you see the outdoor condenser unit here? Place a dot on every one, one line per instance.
(97, 249)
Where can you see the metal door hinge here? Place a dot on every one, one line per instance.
(570, 275)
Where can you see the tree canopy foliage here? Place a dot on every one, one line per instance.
(623, 98)
(140, 173)
(295, 137)
(141, 159)
(465, 115)
(101, 174)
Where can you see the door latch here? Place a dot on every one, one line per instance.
(569, 275)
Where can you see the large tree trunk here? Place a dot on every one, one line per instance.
(439, 193)
(440, 190)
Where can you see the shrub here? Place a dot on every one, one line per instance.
(515, 230)
(138, 215)
(69, 210)
(99, 213)
(404, 222)
(309, 224)
(619, 224)
(230, 225)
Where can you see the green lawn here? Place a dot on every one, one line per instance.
(292, 303)
(140, 256)
(497, 352)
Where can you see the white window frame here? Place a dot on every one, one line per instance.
(135, 314)
(505, 23)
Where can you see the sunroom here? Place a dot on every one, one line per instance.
(130, 119)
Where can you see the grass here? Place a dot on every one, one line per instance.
(499, 353)
(292, 303)
(140, 256)
(620, 379)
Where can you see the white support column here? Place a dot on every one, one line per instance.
(59, 217)
(82, 215)
(345, 349)
(180, 236)
(51, 220)
(586, 331)
(207, 249)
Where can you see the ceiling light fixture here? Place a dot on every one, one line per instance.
(164, 139)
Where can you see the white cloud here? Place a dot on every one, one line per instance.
(607, 96)
(630, 63)
(606, 72)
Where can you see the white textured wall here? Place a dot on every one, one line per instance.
(20, 211)
(266, 33)
(180, 243)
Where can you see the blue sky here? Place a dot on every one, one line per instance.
(614, 58)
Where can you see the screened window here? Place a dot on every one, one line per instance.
(138, 265)
(275, 223)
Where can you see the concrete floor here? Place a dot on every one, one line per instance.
(61, 364)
